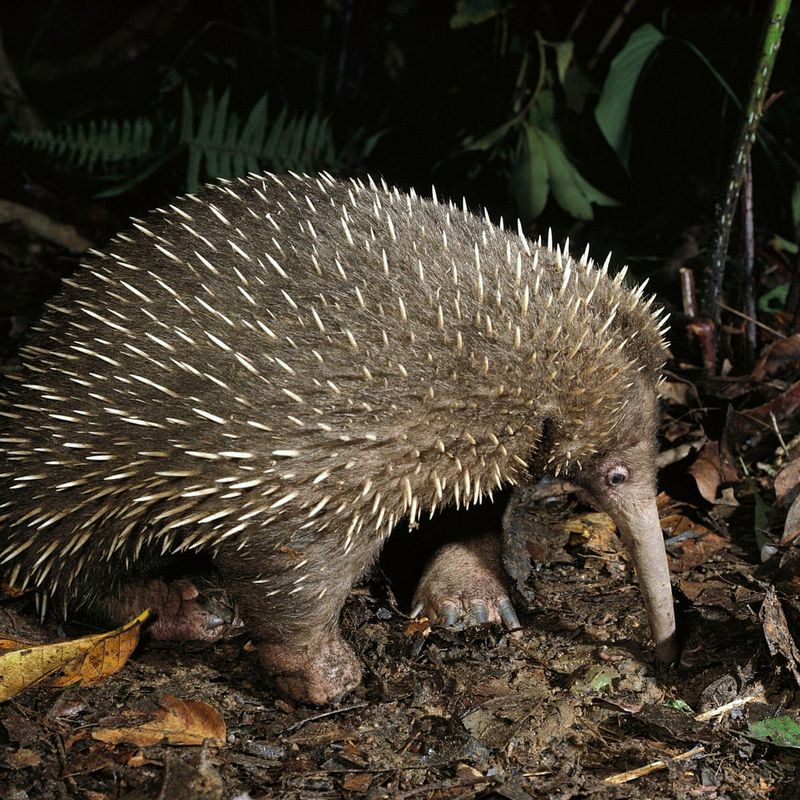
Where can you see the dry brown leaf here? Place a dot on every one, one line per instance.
(712, 467)
(689, 543)
(679, 392)
(783, 406)
(791, 528)
(780, 354)
(359, 782)
(787, 482)
(694, 552)
(179, 722)
(16, 644)
(23, 758)
(87, 660)
(106, 657)
(776, 632)
(706, 471)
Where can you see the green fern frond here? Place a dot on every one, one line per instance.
(219, 143)
(117, 152)
(97, 146)
(220, 146)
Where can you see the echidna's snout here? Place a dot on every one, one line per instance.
(624, 485)
(638, 522)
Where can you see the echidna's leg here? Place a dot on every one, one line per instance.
(194, 609)
(290, 599)
(464, 583)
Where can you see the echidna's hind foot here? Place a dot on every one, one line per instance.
(464, 584)
(318, 669)
(291, 605)
(181, 609)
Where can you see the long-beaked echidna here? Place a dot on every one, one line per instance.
(279, 369)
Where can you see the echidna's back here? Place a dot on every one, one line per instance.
(294, 345)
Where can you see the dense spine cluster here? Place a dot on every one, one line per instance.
(335, 353)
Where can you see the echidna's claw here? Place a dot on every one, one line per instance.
(464, 586)
(508, 614)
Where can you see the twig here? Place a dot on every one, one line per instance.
(688, 292)
(724, 709)
(733, 311)
(344, 709)
(654, 766)
(143, 29)
(446, 787)
(613, 30)
(41, 225)
(778, 434)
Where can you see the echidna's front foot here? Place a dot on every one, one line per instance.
(319, 670)
(180, 610)
(464, 585)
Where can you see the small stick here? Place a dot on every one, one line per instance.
(634, 774)
(613, 30)
(297, 725)
(725, 708)
(737, 313)
(688, 292)
(778, 434)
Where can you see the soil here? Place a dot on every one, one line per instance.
(554, 713)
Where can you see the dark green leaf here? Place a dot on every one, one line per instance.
(796, 209)
(566, 189)
(760, 522)
(564, 51)
(489, 139)
(780, 731)
(531, 177)
(593, 194)
(473, 12)
(255, 125)
(613, 107)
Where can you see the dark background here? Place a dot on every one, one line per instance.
(396, 73)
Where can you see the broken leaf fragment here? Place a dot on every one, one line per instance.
(780, 731)
(775, 626)
(177, 722)
(86, 661)
(594, 530)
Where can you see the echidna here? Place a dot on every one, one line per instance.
(279, 369)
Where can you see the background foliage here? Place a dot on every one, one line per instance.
(611, 127)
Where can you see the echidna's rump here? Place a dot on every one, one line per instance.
(279, 369)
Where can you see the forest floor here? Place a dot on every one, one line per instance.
(571, 708)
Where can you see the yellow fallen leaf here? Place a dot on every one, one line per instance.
(184, 722)
(594, 530)
(87, 660)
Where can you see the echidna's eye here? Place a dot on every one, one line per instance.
(617, 475)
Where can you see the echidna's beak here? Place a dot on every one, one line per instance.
(639, 525)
